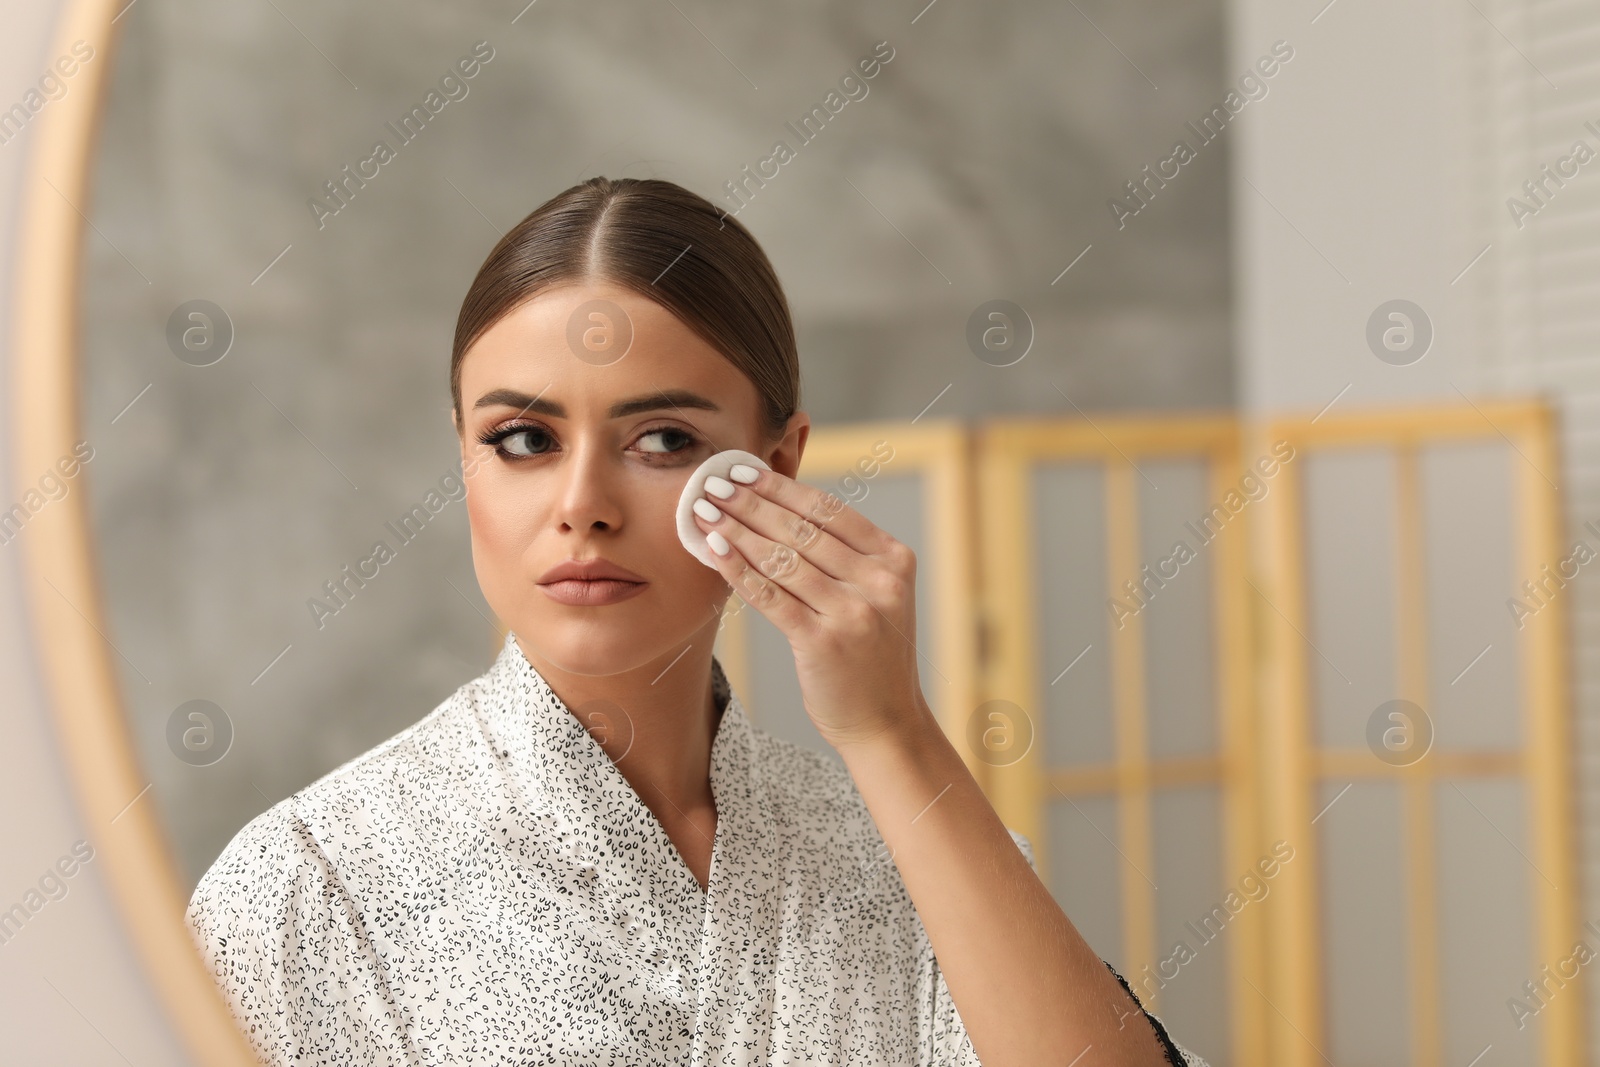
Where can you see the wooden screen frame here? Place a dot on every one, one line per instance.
(1006, 453)
(1295, 766)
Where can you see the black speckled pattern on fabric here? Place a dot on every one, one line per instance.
(486, 887)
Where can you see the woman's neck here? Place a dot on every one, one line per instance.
(657, 722)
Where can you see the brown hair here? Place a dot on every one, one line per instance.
(669, 245)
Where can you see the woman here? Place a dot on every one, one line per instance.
(589, 854)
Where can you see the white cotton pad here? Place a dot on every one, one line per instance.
(720, 464)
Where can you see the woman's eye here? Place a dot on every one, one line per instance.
(684, 440)
(528, 441)
(517, 443)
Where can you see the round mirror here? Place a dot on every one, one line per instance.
(250, 227)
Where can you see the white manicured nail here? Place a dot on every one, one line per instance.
(719, 487)
(743, 472)
(707, 510)
(718, 543)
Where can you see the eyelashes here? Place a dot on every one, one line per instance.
(497, 437)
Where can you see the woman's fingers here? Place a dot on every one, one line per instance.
(766, 574)
(830, 534)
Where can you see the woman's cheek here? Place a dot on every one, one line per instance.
(502, 510)
(484, 513)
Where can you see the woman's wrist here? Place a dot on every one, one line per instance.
(913, 733)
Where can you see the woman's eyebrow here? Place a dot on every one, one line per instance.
(661, 398)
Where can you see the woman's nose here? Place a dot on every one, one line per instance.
(589, 493)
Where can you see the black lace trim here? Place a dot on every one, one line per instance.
(1174, 1057)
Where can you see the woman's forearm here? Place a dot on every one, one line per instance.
(1029, 989)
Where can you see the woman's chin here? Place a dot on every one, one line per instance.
(598, 651)
(610, 639)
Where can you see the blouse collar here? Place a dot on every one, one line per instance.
(612, 840)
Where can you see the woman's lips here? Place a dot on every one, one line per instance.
(592, 592)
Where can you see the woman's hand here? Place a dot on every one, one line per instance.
(841, 590)
(1025, 982)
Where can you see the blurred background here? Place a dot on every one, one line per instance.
(1233, 363)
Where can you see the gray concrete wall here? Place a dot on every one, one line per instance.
(979, 165)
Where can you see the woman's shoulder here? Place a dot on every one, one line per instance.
(276, 919)
(299, 838)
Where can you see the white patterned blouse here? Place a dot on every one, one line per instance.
(486, 887)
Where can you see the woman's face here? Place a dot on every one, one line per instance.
(569, 452)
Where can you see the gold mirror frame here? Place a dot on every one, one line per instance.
(61, 587)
